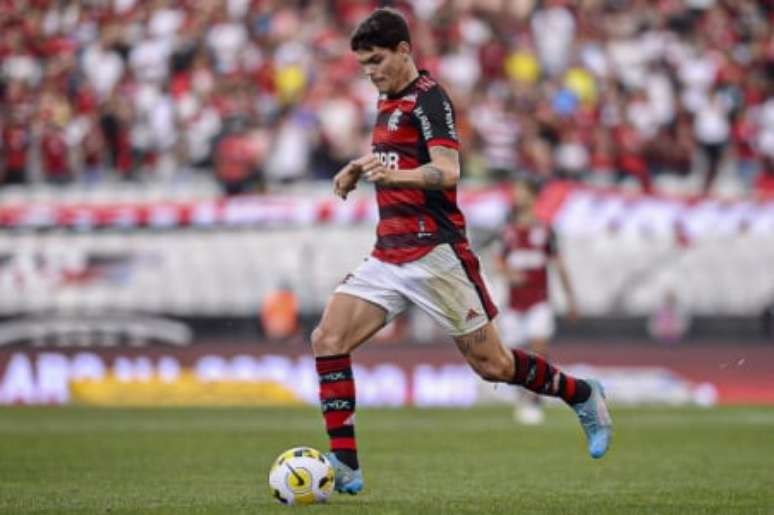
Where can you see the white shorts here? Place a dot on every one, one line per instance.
(520, 327)
(447, 284)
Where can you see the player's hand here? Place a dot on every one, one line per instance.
(346, 179)
(374, 171)
(516, 277)
(572, 312)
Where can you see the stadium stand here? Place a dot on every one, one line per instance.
(671, 95)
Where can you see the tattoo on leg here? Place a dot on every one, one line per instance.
(467, 342)
(432, 176)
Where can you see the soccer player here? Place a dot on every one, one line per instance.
(421, 255)
(527, 247)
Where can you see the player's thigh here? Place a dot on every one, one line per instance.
(362, 304)
(447, 284)
(486, 354)
(347, 322)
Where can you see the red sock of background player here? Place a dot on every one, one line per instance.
(337, 400)
(536, 374)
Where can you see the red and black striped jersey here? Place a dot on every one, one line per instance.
(411, 220)
(528, 249)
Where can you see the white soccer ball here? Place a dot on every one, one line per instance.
(301, 475)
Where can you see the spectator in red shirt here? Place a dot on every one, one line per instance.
(15, 145)
(743, 132)
(92, 149)
(631, 160)
(239, 156)
(54, 154)
(764, 182)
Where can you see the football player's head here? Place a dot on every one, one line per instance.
(382, 44)
(524, 194)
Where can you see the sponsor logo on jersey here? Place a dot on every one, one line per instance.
(394, 120)
(424, 122)
(526, 259)
(449, 114)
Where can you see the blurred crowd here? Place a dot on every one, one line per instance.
(264, 92)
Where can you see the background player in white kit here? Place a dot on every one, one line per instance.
(527, 247)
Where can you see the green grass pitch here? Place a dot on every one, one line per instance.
(215, 461)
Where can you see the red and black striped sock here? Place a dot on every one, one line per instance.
(536, 374)
(337, 399)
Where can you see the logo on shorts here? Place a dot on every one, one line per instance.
(347, 278)
(472, 314)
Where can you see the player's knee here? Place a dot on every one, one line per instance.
(327, 343)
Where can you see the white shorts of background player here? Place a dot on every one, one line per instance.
(518, 328)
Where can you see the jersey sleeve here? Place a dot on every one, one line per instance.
(435, 115)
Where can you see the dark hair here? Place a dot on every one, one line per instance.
(384, 28)
(532, 184)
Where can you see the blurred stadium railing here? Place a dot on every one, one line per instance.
(220, 257)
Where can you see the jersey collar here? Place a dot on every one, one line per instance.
(410, 85)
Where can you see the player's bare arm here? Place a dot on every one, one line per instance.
(564, 278)
(442, 172)
(346, 179)
(513, 276)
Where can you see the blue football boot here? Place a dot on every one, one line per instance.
(348, 481)
(595, 420)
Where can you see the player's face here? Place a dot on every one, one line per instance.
(386, 68)
(523, 199)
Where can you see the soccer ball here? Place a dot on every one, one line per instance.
(301, 475)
